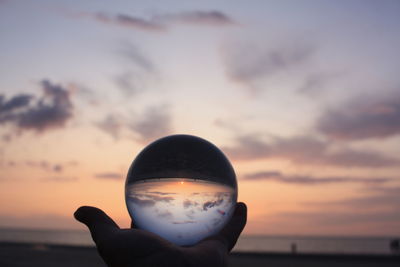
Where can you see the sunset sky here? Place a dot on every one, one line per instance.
(302, 96)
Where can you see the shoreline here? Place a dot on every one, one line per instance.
(41, 254)
(247, 243)
(49, 246)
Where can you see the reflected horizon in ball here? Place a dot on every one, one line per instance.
(182, 211)
(181, 188)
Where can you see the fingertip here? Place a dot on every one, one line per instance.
(234, 228)
(241, 209)
(78, 212)
(98, 222)
(239, 218)
(85, 213)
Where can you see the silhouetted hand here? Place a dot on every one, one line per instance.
(135, 247)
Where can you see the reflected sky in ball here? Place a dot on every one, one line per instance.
(183, 211)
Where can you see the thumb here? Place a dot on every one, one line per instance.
(98, 222)
(231, 232)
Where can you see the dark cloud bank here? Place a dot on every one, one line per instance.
(377, 197)
(51, 110)
(363, 117)
(310, 180)
(306, 150)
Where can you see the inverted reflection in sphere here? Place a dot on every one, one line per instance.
(182, 188)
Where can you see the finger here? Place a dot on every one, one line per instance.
(231, 232)
(99, 223)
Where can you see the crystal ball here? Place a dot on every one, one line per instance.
(182, 188)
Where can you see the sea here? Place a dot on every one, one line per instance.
(246, 243)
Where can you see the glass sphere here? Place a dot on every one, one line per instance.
(182, 188)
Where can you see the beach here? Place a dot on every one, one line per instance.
(42, 255)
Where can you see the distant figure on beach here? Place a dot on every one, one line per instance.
(293, 248)
(135, 247)
(395, 245)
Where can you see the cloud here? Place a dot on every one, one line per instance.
(149, 200)
(109, 175)
(141, 73)
(159, 198)
(134, 22)
(142, 202)
(161, 22)
(153, 197)
(189, 203)
(60, 179)
(245, 63)
(153, 124)
(335, 218)
(43, 165)
(222, 194)
(15, 102)
(376, 211)
(213, 18)
(55, 167)
(190, 214)
(378, 197)
(362, 118)
(58, 168)
(130, 82)
(112, 125)
(85, 93)
(305, 150)
(210, 204)
(315, 83)
(161, 193)
(165, 214)
(6, 138)
(52, 110)
(184, 222)
(131, 52)
(310, 180)
(11, 163)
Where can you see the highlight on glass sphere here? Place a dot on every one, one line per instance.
(182, 188)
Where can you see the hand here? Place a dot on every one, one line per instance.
(135, 247)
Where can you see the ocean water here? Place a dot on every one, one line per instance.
(282, 244)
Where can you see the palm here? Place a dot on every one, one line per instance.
(135, 247)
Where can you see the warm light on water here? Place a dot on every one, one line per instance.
(183, 211)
